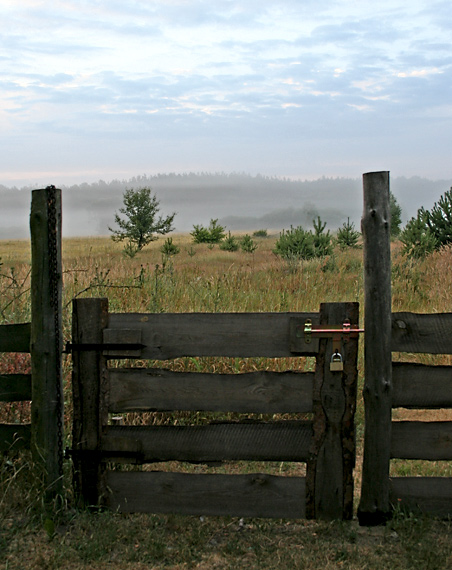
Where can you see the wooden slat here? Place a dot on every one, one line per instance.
(421, 386)
(412, 332)
(255, 495)
(151, 389)
(14, 437)
(428, 495)
(214, 334)
(421, 440)
(252, 441)
(15, 387)
(15, 338)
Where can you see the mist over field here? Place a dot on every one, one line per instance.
(239, 201)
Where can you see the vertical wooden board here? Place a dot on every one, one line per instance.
(89, 377)
(254, 495)
(330, 467)
(374, 504)
(46, 336)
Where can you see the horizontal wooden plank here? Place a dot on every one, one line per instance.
(15, 338)
(414, 332)
(14, 437)
(421, 440)
(421, 386)
(252, 441)
(254, 495)
(244, 335)
(428, 495)
(15, 387)
(155, 389)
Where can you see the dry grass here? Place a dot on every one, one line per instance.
(210, 280)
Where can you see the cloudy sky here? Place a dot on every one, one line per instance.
(104, 89)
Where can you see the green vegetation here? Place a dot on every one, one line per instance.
(260, 233)
(347, 236)
(63, 537)
(141, 223)
(169, 248)
(213, 234)
(396, 215)
(429, 230)
(247, 244)
(229, 243)
(298, 243)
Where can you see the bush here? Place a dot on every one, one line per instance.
(298, 243)
(229, 244)
(430, 230)
(295, 243)
(213, 234)
(323, 244)
(260, 233)
(347, 236)
(417, 239)
(247, 244)
(169, 248)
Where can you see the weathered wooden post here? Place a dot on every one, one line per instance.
(374, 507)
(89, 318)
(329, 477)
(46, 337)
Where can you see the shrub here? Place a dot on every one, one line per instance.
(418, 241)
(169, 248)
(213, 234)
(229, 244)
(260, 233)
(247, 244)
(295, 243)
(347, 236)
(323, 244)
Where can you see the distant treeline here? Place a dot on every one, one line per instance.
(240, 201)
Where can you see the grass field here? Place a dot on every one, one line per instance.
(211, 280)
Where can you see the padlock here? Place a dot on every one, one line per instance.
(336, 364)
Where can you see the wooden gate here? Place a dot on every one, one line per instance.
(325, 442)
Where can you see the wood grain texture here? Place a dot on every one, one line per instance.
(252, 441)
(374, 504)
(412, 332)
(332, 459)
(421, 386)
(244, 335)
(155, 389)
(47, 335)
(427, 495)
(255, 495)
(421, 440)
(15, 387)
(14, 437)
(15, 338)
(89, 318)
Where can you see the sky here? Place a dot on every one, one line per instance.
(109, 89)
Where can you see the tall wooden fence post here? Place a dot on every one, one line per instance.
(329, 477)
(89, 318)
(46, 336)
(374, 507)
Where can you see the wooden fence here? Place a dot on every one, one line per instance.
(325, 442)
(43, 339)
(15, 387)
